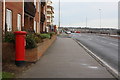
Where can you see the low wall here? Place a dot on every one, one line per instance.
(32, 55)
(8, 52)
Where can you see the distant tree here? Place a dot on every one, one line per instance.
(66, 29)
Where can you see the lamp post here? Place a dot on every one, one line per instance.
(100, 17)
(86, 21)
(59, 14)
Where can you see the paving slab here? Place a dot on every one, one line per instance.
(66, 59)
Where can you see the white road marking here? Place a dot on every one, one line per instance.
(84, 64)
(103, 41)
(103, 37)
(93, 67)
(114, 44)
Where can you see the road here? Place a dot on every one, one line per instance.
(104, 47)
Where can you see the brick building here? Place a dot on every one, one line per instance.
(1, 15)
(12, 16)
(43, 16)
(29, 16)
(24, 16)
(32, 16)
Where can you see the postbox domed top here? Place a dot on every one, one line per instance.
(20, 32)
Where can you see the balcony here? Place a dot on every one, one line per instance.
(52, 16)
(30, 8)
(49, 9)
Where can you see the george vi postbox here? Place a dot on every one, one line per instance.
(20, 43)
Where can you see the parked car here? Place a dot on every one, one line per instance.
(72, 31)
(68, 32)
(77, 32)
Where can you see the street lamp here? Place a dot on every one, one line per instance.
(100, 17)
(86, 21)
(59, 14)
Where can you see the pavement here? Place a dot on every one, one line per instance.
(66, 59)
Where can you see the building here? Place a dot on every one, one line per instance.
(13, 16)
(32, 16)
(1, 15)
(28, 16)
(43, 16)
(37, 16)
(50, 16)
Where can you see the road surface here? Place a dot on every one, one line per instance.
(104, 47)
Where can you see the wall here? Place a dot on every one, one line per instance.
(33, 55)
(8, 52)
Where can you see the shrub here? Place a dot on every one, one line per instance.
(45, 35)
(9, 37)
(30, 41)
(6, 75)
(51, 33)
(38, 39)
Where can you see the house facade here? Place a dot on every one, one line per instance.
(23, 15)
(43, 16)
(29, 16)
(12, 16)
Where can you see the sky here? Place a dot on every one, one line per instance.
(73, 13)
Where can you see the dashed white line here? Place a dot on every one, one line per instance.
(114, 44)
(103, 41)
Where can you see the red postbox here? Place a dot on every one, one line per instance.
(20, 47)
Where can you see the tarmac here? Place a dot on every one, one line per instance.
(66, 59)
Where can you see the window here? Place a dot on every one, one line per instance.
(35, 26)
(9, 20)
(19, 22)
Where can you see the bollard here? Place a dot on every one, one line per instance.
(20, 43)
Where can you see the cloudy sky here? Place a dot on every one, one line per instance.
(74, 13)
